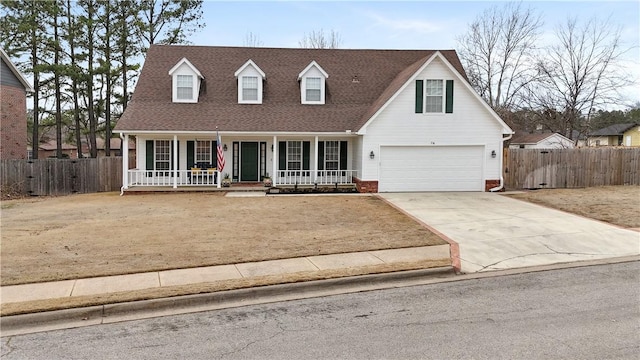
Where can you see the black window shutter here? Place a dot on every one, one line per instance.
(150, 157)
(448, 108)
(419, 96)
(321, 155)
(282, 155)
(343, 155)
(190, 154)
(306, 149)
(214, 154)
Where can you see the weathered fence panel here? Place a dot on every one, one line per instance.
(571, 168)
(61, 176)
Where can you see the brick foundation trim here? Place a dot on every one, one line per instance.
(366, 186)
(490, 184)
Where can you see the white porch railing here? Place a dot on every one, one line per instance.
(205, 177)
(202, 177)
(312, 177)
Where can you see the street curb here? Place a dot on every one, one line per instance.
(135, 310)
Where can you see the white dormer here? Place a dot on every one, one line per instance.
(250, 78)
(312, 84)
(186, 81)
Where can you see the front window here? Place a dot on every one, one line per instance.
(313, 88)
(434, 96)
(331, 155)
(203, 152)
(162, 155)
(185, 87)
(250, 88)
(294, 155)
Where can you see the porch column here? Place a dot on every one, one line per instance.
(175, 161)
(125, 161)
(219, 177)
(315, 162)
(274, 161)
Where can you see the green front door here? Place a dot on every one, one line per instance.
(249, 161)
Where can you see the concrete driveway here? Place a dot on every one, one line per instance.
(498, 232)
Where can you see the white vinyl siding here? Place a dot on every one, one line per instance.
(434, 96)
(185, 87)
(249, 88)
(397, 124)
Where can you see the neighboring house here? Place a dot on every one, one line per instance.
(13, 110)
(614, 135)
(631, 136)
(114, 147)
(540, 141)
(381, 120)
(48, 149)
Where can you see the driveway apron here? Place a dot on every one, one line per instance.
(497, 232)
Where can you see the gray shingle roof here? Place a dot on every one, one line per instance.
(348, 103)
(613, 130)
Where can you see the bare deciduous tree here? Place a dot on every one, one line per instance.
(497, 52)
(252, 40)
(320, 40)
(579, 72)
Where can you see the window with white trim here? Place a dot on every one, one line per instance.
(313, 88)
(203, 151)
(294, 155)
(249, 88)
(331, 155)
(162, 155)
(434, 96)
(184, 87)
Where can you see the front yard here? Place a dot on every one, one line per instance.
(78, 236)
(618, 205)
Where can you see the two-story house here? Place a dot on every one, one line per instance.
(13, 110)
(382, 120)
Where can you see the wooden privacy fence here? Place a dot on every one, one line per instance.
(571, 168)
(61, 176)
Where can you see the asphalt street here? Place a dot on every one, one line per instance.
(587, 313)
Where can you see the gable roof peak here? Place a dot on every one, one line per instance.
(15, 71)
(312, 64)
(250, 63)
(189, 64)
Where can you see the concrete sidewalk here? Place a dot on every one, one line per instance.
(158, 279)
(496, 232)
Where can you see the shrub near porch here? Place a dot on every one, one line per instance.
(46, 239)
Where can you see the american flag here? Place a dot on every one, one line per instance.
(220, 153)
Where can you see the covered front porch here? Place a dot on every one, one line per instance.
(196, 161)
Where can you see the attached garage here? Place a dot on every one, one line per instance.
(431, 168)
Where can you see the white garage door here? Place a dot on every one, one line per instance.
(431, 168)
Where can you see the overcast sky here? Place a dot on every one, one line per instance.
(395, 24)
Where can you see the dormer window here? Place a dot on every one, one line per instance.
(250, 78)
(185, 87)
(313, 91)
(313, 84)
(186, 81)
(249, 88)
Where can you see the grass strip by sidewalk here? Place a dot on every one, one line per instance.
(201, 288)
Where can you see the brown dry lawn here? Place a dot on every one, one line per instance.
(618, 205)
(78, 236)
